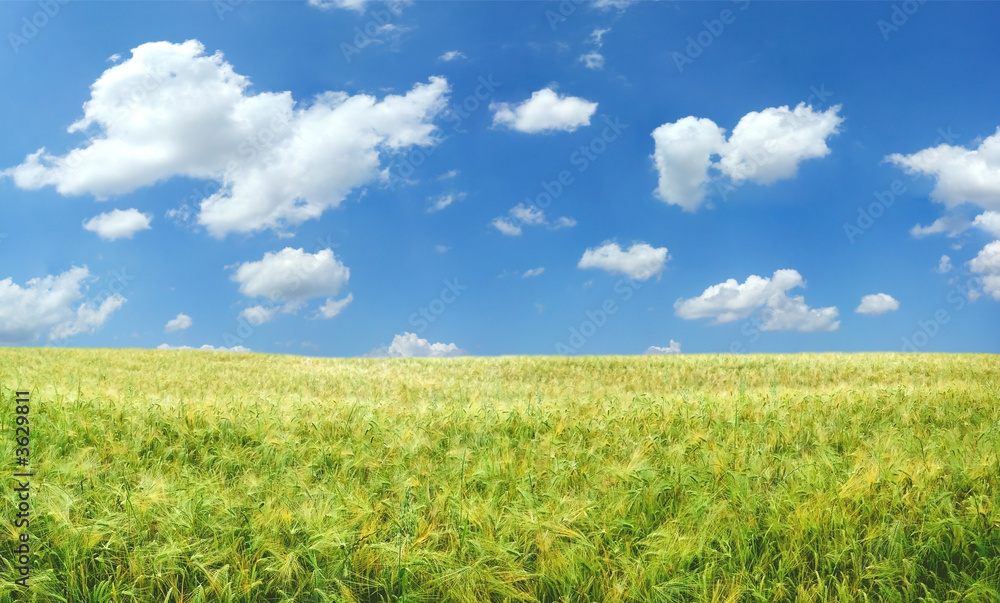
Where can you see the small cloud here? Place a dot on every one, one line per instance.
(673, 348)
(641, 261)
(448, 175)
(439, 203)
(118, 224)
(334, 307)
(533, 272)
(310, 345)
(545, 111)
(876, 304)
(540, 307)
(593, 60)
(563, 222)
(451, 55)
(258, 315)
(441, 248)
(210, 348)
(506, 227)
(950, 225)
(944, 265)
(183, 321)
(114, 58)
(409, 345)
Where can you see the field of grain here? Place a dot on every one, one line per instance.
(204, 476)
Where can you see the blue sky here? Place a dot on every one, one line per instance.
(347, 178)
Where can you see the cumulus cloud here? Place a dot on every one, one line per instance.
(290, 278)
(987, 263)
(52, 304)
(988, 222)
(451, 55)
(683, 154)
(673, 348)
(118, 224)
(961, 175)
(878, 303)
(640, 262)
(731, 301)
(533, 272)
(944, 265)
(545, 111)
(764, 147)
(950, 225)
(408, 344)
(183, 321)
(210, 348)
(173, 111)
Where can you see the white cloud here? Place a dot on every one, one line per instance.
(988, 222)
(563, 222)
(987, 263)
(441, 248)
(118, 224)
(767, 146)
(641, 261)
(878, 303)
(173, 111)
(292, 277)
(597, 36)
(258, 315)
(355, 5)
(408, 344)
(334, 307)
(529, 215)
(533, 272)
(51, 304)
(506, 227)
(183, 321)
(673, 348)
(683, 153)
(609, 4)
(764, 147)
(961, 175)
(592, 60)
(545, 111)
(439, 203)
(451, 55)
(731, 301)
(944, 265)
(952, 225)
(210, 348)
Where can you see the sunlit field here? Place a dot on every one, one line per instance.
(204, 476)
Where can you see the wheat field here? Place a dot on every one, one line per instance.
(204, 476)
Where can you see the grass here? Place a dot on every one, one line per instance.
(199, 476)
